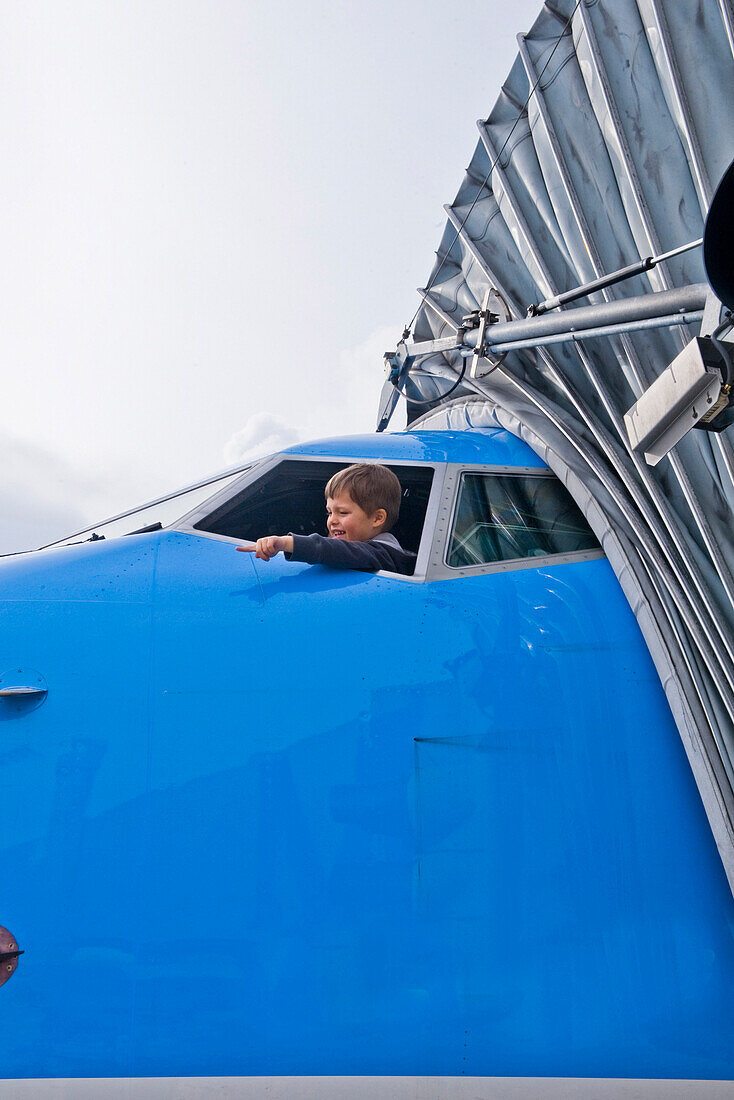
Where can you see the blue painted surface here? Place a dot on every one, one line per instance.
(280, 819)
(491, 446)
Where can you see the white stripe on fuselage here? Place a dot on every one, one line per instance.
(362, 1088)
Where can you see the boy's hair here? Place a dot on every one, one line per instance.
(371, 487)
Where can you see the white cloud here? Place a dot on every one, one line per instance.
(262, 434)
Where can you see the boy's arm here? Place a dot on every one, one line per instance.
(266, 548)
(320, 550)
(371, 556)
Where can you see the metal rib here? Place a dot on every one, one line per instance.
(469, 243)
(570, 191)
(446, 263)
(727, 455)
(703, 187)
(575, 206)
(574, 203)
(721, 780)
(515, 207)
(429, 301)
(623, 150)
(728, 20)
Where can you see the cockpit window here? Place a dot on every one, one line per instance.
(505, 517)
(290, 498)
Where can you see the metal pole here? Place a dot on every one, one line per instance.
(609, 280)
(622, 312)
(604, 330)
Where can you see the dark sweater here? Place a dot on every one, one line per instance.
(382, 552)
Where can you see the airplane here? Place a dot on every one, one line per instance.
(273, 820)
(272, 829)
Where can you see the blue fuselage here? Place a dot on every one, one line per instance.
(283, 819)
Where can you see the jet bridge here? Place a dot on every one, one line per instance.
(601, 155)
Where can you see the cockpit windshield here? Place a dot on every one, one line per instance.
(290, 498)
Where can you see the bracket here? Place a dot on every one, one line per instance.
(494, 309)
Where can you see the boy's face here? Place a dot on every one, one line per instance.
(346, 520)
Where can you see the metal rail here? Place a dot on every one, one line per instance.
(666, 307)
(614, 277)
(150, 504)
(572, 335)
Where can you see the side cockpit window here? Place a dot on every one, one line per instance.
(290, 498)
(506, 517)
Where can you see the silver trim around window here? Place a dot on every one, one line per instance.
(438, 568)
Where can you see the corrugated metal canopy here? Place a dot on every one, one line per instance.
(604, 147)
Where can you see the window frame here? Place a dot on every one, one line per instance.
(439, 569)
(431, 563)
(186, 523)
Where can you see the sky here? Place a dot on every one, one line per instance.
(215, 219)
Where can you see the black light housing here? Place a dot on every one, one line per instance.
(718, 240)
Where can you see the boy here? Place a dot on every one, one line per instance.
(362, 504)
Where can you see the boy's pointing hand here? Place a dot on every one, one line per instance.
(266, 548)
